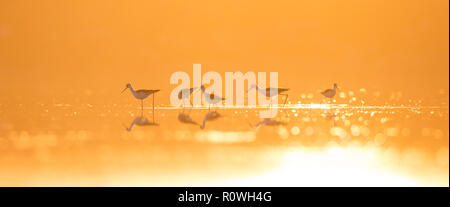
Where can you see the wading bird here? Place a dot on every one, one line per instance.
(186, 94)
(142, 94)
(330, 93)
(211, 98)
(271, 92)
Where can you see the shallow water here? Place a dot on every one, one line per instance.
(305, 145)
(63, 120)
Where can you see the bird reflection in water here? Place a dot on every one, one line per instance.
(210, 116)
(142, 121)
(186, 119)
(268, 122)
(331, 116)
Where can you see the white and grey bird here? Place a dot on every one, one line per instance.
(211, 98)
(330, 93)
(141, 94)
(186, 94)
(271, 92)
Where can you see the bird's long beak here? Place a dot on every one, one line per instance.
(124, 90)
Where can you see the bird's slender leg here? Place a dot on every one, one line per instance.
(209, 109)
(285, 101)
(184, 106)
(142, 104)
(192, 105)
(153, 115)
(286, 98)
(153, 105)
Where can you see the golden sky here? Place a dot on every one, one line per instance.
(55, 48)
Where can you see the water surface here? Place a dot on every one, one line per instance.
(85, 144)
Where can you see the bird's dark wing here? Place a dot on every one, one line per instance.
(147, 91)
(326, 91)
(212, 97)
(281, 90)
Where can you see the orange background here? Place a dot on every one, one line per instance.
(52, 48)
